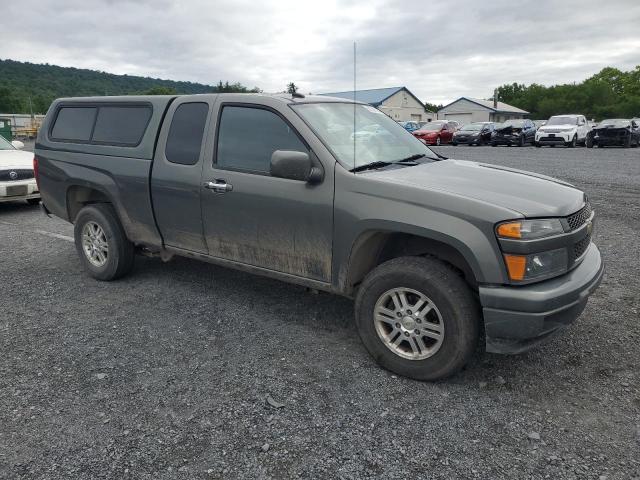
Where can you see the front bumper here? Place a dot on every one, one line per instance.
(18, 190)
(559, 138)
(518, 318)
(466, 140)
(505, 140)
(610, 141)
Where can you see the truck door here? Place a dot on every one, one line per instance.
(177, 172)
(256, 219)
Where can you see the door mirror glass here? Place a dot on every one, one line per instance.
(17, 144)
(294, 165)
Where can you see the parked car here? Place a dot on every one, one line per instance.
(514, 132)
(434, 251)
(455, 124)
(615, 132)
(567, 130)
(410, 126)
(17, 180)
(437, 132)
(477, 133)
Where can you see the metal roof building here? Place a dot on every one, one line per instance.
(397, 102)
(466, 110)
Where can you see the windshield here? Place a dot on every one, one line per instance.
(562, 121)
(472, 127)
(432, 126)
(376, 137)
(4, 145)
(512, 123)
(614, 122)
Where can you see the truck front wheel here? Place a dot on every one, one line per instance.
(418, 318)
(102, 245)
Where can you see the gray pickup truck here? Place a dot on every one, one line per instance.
(442, 256)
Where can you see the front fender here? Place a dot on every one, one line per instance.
(465, 224)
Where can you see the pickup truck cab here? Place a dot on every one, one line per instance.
(434, 251)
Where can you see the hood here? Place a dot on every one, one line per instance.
(15, 159)
(529, 194)
(564, 126)
(610, 127)
(509, 129)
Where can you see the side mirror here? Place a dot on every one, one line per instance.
(294, 165)
(17, 144)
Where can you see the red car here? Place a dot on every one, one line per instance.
(436, 132)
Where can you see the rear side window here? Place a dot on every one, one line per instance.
(248, 136)
(121, 125)
(186, 132)
(74, 124)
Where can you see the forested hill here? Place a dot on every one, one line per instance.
(26, 86)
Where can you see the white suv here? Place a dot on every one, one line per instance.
(567, 130)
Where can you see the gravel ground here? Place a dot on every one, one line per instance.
(166, 374)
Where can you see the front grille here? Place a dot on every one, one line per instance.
(580, 247)
(579, 218)
(15, 175)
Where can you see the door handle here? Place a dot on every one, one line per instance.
(219, 186)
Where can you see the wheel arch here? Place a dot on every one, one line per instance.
(78, 196)
(374, 247)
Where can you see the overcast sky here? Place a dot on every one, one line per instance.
(440, 49)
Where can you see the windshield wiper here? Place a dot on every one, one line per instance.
(410, 158)
(409, 161)
(370, 166)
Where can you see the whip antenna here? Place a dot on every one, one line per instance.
(354, 105)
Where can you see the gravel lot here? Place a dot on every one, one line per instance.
(165, 374)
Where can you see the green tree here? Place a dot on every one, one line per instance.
(161, 91)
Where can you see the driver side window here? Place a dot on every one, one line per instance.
(248, 136)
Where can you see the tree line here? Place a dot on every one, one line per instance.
(28, 87)
(610, 93)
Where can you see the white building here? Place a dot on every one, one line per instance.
(397, 102)
(466, 110)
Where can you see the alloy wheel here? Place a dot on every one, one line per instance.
(408, 323)
(94, 244)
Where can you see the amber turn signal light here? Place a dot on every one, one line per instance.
(516, 266)
(510, 230)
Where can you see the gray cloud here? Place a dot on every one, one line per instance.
(439, 50)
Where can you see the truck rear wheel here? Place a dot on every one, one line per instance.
(418, 318)
(102, 245)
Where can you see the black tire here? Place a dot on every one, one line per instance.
(454, 144)
(448, 292)
(573, 142)
(521, 141)
(537, 144)
(33, 201)
(494, 144)
(438, 142)
(121, 253)
(588, 142)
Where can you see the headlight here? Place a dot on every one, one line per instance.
(536, 265)
(530, 229)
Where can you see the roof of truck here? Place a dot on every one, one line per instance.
(286, 98)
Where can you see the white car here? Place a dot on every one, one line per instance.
(17, 180)
(567, 130)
